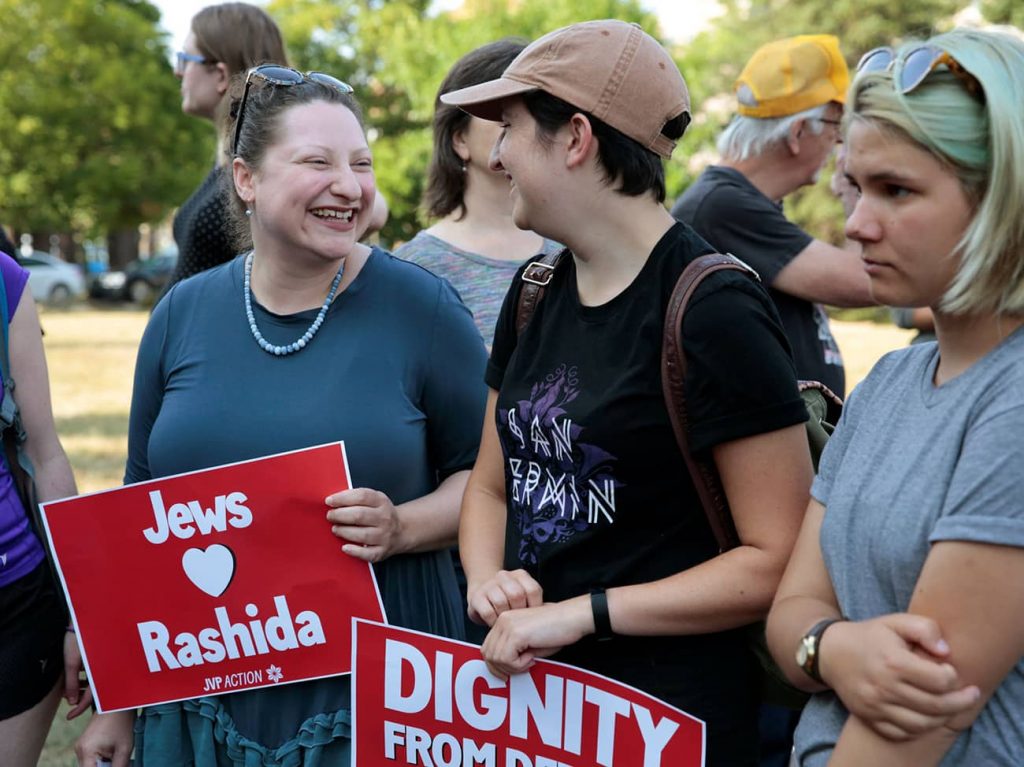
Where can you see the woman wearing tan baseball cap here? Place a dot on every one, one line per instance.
(582, 535)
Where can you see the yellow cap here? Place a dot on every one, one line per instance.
(788, 76)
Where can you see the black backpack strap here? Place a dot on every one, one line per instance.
(12, 436)
(535, 279)
(673, 377)
(10, 417)
(8, 409)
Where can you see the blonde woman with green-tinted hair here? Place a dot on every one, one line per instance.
(901, 605)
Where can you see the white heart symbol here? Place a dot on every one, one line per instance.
(210, 570)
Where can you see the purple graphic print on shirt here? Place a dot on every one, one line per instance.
(557, 485)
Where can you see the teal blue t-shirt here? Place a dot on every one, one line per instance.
(396, 371)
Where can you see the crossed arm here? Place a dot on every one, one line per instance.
(911, 681)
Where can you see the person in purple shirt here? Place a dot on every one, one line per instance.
(35, 650)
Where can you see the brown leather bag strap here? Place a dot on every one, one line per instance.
(535, 279)
(673, 377)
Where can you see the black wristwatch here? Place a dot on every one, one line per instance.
(807, 655)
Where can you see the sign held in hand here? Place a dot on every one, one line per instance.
(214, 581)
(423, 700)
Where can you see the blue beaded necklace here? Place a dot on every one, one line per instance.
(294, 346)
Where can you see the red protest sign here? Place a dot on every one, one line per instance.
(213, 581)
(423, 700)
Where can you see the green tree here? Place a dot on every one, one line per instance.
(395, 54)
(94, 139)
(1004, 12)
(712, 61)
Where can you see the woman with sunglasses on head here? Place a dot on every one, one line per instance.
(582, 534)
(309, 337)
(224, 40)
(901, 605)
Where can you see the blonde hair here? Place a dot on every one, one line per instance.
(981, 141)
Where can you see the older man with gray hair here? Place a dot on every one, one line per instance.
(790, 103)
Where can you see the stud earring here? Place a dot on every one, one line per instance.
(248, 212)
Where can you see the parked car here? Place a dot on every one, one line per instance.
(52, 280)
(140, 282)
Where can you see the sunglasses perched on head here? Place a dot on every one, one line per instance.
(278, 75)
(913, 67)
(181, 59)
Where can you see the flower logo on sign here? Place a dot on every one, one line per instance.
(274, 674)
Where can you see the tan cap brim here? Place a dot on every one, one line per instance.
(484, 100)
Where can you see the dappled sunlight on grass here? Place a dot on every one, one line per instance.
(91, 357)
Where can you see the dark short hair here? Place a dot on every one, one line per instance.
(634, 168)
(264, 110)
(446, 181)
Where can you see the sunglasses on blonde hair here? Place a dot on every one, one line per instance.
(276, 74)
(913, 67)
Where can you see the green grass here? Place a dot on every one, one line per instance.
(60, 745)
(877, 314)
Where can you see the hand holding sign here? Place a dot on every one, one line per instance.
(236, 581)
(369, 521)
(423, 700)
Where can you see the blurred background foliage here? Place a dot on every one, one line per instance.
(395, 54)
(713, 59)
(94, 141)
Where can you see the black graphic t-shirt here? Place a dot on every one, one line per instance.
(734, 216)
(597, 492)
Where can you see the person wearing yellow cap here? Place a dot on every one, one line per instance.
(581, 532)
(790, 101)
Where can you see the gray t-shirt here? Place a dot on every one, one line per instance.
(481, 282)
(912, 464)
